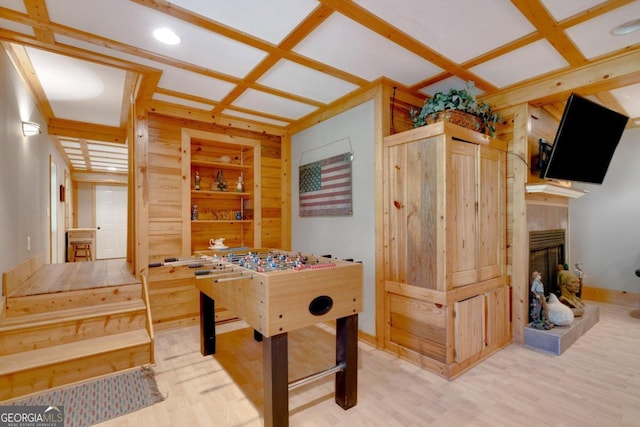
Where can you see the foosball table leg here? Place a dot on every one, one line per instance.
(207, 325)
(276, 381)
(347, 356)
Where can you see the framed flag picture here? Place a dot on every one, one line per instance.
(325, 187)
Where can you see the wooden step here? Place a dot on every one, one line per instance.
(41, 330)
(36, 370)
(51, 302)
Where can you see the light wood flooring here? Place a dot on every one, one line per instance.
(596, 382)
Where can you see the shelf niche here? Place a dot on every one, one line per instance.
(229, 214)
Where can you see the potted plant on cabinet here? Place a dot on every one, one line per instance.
(460, 107)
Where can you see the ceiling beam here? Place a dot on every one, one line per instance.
(601, 75)
(74, 129)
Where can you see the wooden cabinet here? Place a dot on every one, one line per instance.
(446, 290)
(218, 206)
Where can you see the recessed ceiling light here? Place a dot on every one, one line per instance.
(166, 36)
(626, 28)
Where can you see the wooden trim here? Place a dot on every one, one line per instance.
(611, 296)
(149, 323)
(382, 112)
(285, 189)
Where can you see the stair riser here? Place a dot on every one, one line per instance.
(34, 337)
(44, 303)
(70, 371)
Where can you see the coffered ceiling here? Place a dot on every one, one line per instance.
(275, 63)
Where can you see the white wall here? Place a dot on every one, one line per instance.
(24, 174)
(605, 223)
(343, 236)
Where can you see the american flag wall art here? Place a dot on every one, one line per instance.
(325, 187)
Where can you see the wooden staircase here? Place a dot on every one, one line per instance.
(50, 339)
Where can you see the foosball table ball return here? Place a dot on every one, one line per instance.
(276, 292)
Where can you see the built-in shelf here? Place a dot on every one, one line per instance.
(216, 193)
(556, 190)
(229, 221)
(220, 165)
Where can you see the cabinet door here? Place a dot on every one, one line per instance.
(491, 213)
(462, 218)
(469, 327)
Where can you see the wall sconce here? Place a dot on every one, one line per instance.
(30, 128)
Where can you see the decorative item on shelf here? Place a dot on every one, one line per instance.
(239, 216)
(217, 243)
(458, 106)
(240, 185)
(194, 213)
(197, 180)
(220, 181)
(224, 159)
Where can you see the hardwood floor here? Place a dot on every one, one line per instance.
(596, 382)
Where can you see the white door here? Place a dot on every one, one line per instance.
(111, 221)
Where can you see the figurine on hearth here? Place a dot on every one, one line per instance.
(538, 303)
(569, 286)
(580, 274)
(221, 183)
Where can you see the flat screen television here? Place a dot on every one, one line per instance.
(584, 144)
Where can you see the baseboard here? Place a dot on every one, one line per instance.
(611, 296)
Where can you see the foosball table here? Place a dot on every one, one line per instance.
(276, 292)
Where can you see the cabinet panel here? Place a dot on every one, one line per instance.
(412, 196)
(469, 327)
(492, 212)
(462, 205)
(419, 326)
(497, 315)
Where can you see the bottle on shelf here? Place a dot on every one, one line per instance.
(240, 185)
(197, 179)
(194, 213)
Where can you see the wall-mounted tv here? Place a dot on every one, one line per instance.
(584, 144)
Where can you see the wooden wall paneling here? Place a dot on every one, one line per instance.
(515, 131)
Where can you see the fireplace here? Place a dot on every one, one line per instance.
(546, 251)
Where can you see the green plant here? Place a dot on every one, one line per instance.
(457, 99)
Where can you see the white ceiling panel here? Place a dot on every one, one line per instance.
(18, 28)
(70, 83)
(340, 43)
(268, 20)
(458, 29)
(182, 101)
(17, 5)
(562, 9)
(521, 64)
(629, 98)
(253, 117)
(271, 104)
(180, 80)
(198, 45)
(306, 82)
(446, 84)
(172, 78)
(593, 37)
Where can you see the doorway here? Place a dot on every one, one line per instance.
(111, 221)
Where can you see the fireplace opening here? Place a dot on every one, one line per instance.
(546, 252)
